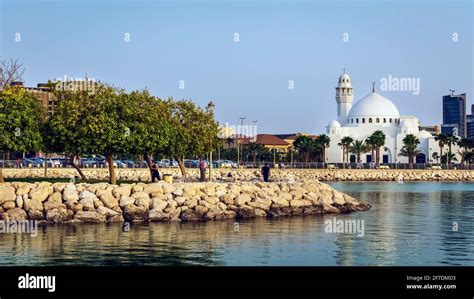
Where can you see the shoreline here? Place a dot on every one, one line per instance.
(163, 202)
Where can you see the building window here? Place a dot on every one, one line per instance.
(357, 120)
(370, 120)
(390, 120)
(352, 120)
(363, 120)
(384, 120)
(377, 120)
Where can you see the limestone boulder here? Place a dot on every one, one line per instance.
(7, 193)
(89, 217)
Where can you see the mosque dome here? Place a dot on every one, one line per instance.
(374, 105)
(334, 124)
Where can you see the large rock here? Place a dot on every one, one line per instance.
(59, 215)
(123, 190)
(33, 204)
(7, 193)
(108, 200)
(70, 193)
(88, 204)
(155, 188)
(16, 214)
(90, 217)
(242, 199)
(9, 205)
(126, 201)
(54, 201)
(135, 213)
(35, 215)
(158, 204)
(41, 194)
(87, 195)
(107, 212)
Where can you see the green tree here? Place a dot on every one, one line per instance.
(21, 119)
(254, 149)
(193, 131)
(442, 140)
(345, 144)
(304, 145)
(358, 147)
(323, 142)
(410, 148)
(149, 124)
(92, 123)
(451, 139)
(377, 140)
(435, 157)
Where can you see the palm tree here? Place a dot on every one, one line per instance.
(451, 139)
(358, 147)
(448, 157)
(436, 157)
(371, 144)
(323, 141)
(410, 148)
(464, 155)
(442, 139)
(345, 143)
(254, 150)
(378, 141)
(305, 146)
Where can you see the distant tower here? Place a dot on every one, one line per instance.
(344, 97)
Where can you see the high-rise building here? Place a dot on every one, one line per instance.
(470, 123)
(454, 115)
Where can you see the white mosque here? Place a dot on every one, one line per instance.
(375, 112)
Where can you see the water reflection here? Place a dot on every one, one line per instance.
(410, 224)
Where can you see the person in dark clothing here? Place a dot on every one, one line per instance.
(155, 174)
(202, 170)
(265, 172)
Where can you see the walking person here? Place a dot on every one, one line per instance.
(155, 173)
(202, 170)
(265, 172)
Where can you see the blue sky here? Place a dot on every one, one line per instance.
(279, 41)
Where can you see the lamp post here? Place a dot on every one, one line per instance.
(239, 149)
(210, 109)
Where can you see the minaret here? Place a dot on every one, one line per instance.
(344, 97)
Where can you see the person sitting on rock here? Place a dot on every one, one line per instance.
(265, 172)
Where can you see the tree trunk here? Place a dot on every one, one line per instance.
(71, 162)
(110, 161)
(148, 163)
(181, 167)
(1, 174)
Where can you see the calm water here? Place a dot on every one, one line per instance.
(409, 224)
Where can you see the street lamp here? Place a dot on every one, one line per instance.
(238, 143)
(210, 109)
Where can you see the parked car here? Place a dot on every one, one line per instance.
(120, 164)
(167, 163)
(89, 162)
(190, 163)
(129, 163)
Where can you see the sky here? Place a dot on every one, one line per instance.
(243, 54)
